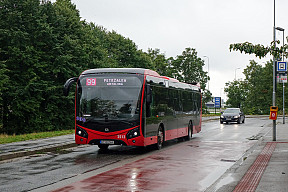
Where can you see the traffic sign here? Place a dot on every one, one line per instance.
(281, 66)
(282, 78)
(217, 103)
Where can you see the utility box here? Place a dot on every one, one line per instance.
(273, 113)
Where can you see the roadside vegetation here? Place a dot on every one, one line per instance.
(4, 138)
(254, 93)
(211, 115)
(42, 44)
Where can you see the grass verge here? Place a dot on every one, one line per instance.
(31, 136)
(212, 114)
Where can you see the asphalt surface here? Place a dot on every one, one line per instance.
(30, 147)
(264, 167)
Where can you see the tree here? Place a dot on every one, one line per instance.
(42, 45)
(189, 68)
(254, 92)
(236, 93)
(19, 25)
(258, 87)
(206, 97)
(123, 51)
(160, 63)
(261, 51)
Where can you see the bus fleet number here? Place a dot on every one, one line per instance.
(120, 136)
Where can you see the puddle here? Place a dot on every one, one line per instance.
(224, 181)
(194, 146)
(215, 174)
(228, 160)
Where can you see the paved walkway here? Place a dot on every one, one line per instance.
(24, 148)
(265, 167)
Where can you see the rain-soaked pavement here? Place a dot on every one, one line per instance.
(180, 166)
(191, 166)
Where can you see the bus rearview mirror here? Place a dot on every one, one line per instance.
(68, 84)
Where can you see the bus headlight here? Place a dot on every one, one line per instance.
(133, 133)
(81, 132)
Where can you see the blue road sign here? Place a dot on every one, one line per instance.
(217, 103)
(281, 66)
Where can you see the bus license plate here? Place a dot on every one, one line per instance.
(106, 142)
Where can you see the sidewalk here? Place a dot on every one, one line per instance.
(275, 174)
(263, 168)
(25, 148)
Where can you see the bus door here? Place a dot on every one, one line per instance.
(161, 112)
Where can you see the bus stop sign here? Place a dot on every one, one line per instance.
(281, 67)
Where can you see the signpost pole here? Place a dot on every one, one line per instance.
(282, 78)
(283, 85)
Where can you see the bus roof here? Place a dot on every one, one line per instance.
(134, 71)
(122, 70)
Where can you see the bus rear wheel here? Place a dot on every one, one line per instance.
(103, 146)
(190, 132)
(160, 138)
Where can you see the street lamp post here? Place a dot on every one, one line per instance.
(274, 80)
(208, 70)
(235, 72)
(281, 29)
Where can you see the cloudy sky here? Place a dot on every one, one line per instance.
(209, 26)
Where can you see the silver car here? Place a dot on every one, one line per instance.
(232, 115)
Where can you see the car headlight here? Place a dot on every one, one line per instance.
(236, 116)
(222, 116)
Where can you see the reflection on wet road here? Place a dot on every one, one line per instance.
(189, 166)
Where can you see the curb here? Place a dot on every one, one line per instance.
(49, 148)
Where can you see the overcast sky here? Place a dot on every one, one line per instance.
(209, 26)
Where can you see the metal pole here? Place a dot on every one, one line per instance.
(281, 29)
(235, 72)
(283, 86)
(208, 70)
(274, 81)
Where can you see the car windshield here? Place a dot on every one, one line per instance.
(109, 97)
(232, 111)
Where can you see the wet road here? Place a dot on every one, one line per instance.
(179, 166)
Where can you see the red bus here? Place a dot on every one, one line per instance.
(133, 107)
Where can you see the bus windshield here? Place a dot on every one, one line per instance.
(109, 97)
